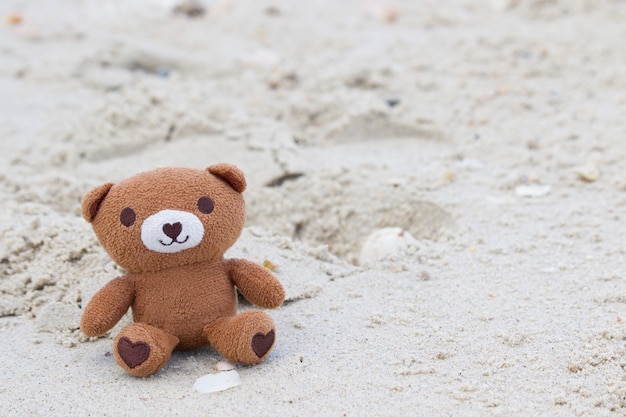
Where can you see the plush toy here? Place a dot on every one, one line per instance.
(169, 229)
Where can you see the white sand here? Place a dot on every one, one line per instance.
(492, 131)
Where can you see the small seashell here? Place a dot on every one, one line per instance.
(532, 190)
(383, 243)
(386, 13)
(224, 366)
(217, 382)
(396, 181)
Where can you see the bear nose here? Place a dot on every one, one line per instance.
(172, 230)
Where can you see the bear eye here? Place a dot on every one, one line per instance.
(205, 205)
(127, 217)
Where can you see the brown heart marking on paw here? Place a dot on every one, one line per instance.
(133, 354)
(262, 343)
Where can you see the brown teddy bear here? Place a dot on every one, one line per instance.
(169, 229)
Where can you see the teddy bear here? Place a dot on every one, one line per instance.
(169, 229)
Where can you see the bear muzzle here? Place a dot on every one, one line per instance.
(171, 231)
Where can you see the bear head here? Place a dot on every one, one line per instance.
(168, 217)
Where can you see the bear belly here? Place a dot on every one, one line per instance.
(184, 300)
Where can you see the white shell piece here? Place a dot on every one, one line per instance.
(217, 382)
(383, 243)
(532, 190)
(154, 237)
(224, 366)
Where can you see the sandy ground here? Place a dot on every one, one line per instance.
(493, 132)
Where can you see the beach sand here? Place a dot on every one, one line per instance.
(491, 132)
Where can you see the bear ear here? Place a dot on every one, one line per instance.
(231, 174)
(93, 199)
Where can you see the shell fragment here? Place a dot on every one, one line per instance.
(217, 382)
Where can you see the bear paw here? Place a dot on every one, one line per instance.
(245, 338)
(142, 349)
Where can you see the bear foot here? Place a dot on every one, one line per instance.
(245, 338)
(142, 350)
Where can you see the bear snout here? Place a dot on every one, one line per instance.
(171, 231)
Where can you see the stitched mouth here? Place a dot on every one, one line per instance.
(173, 241)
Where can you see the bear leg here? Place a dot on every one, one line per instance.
(142, 350)
(245, 338)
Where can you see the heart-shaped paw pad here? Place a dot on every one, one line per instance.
(262, 343)
(133, 353)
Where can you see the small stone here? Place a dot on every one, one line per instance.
(269, 265)
(588, 172)
(14, 19)
(272, 11)
(190, 8)
(392, 101)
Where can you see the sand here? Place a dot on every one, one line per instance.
(492, 132)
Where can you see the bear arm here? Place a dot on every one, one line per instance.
(107, 307)
(256, 283)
